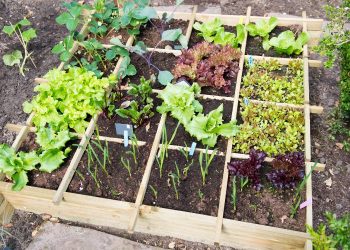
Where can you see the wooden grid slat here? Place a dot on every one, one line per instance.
(220, 217)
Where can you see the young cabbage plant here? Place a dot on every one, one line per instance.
(24, 36)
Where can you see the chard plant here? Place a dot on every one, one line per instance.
(16, 57)
(209, 65)
(140, 109)
(287, 43)
(205, 164)
(214, 32)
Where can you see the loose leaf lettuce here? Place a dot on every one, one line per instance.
(262, 27)
(207, 128)
(286, 43)
(16, 165)
(51, 159)
(180, 101)
(208, 30)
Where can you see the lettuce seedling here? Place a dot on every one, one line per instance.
(208, 29)
(24, 36)
(262, 27)
(286, 43)
(207, 128)
(16, 165)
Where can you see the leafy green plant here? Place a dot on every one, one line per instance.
(24, 37)
(207, 128)
(265, 128)
(336, 44)
(73, 16)
(64, 102)
(209, 65)
(16, 165)
(126, 164)
(286, 43)
(139, 109)
(268, 80)
(339, 237)
(214, 32)
(205, 164)
(180, 102)
(63, 47)
(67, 99)
(262, 27)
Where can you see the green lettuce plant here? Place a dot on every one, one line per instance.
(287, 43)
(214, 32)
(262, 27)
(268, 80)
(24, 36)
(180, 102)
(16, 165)
(207, 128)
(271, 129)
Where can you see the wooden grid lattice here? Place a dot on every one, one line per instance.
(167, 222)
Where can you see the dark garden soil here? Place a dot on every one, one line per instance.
(145, 132)
(190, 189)
(163, 61)
(183, 138)
(150, 33)
(268, 206)
(195, 38)
(42, 179)
(116, 183)
(254, 44)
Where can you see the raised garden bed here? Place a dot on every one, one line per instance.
(145, 202)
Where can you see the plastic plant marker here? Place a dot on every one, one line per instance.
(120, 128)
(193, 147)
(126, 138)
(305, 203)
